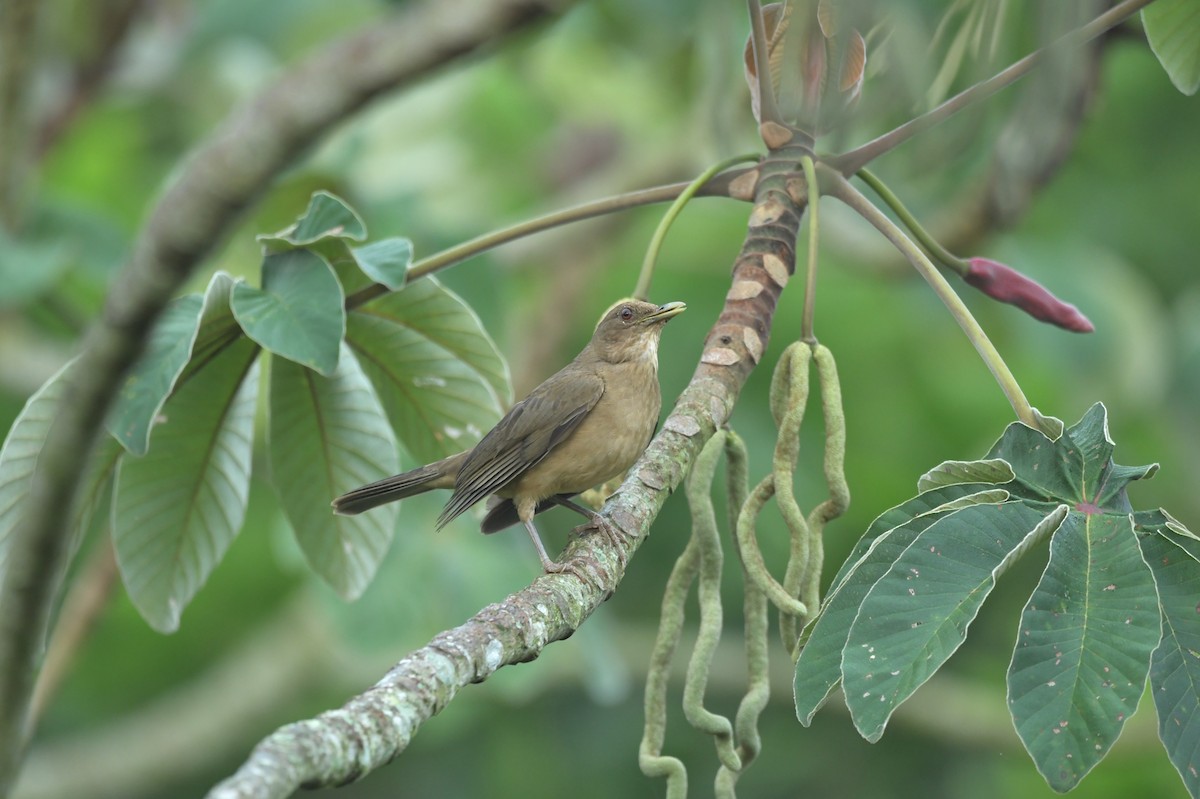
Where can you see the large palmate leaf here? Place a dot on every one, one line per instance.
(1076, 468)
(441, 380)
(148, 385)
(903, 601)
(328, 435)
(439, 376)
(177, 508)
(298, 313)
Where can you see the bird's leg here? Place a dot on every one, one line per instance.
(550, 566)
(603, 526)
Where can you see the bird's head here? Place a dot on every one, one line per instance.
(629, 330)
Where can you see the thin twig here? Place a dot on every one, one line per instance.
(906, 217)
(642, 290)
(850, 162)
(717, 187)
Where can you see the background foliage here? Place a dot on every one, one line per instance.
(614, 95)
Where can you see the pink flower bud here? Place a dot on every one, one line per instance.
(1006, 284)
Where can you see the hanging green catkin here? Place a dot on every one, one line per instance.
(835, 474)
(789, 396)
(754, 609)
(789, 401)
(803, 576)
(704, 532)
(650, 757)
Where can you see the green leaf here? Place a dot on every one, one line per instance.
(1076, 468)
(819, 668)
(1083, 647)
(327, 216)
(328, 435)
(1173, 29)
(442, 317)
(18, 458)
(297, 313)
(93, 503)
(327, 228)
(952, 472)
(385, 261)
(1175, 664)
(1052, 426)
(148, 385)
(925, 504)
(177, 509)
(436, 371)
(917, 614)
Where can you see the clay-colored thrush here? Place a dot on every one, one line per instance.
(582, 427)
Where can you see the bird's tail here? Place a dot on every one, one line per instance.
(439, 474)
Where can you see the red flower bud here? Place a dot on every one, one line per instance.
(1006, 284)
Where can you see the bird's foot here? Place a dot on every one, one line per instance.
(612, 533)
(568, 567)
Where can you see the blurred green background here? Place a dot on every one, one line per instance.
(612, 96)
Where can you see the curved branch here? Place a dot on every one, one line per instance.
(374, 727)
(222, 178)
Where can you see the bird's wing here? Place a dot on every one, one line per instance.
(526, 434)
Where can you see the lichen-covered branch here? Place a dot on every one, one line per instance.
(374, 727)
(190, 219)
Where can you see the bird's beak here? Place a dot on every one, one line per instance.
(665, 312)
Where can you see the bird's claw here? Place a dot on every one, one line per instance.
(612, 533)
(559, 567)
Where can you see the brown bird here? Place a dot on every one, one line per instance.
(582, 427)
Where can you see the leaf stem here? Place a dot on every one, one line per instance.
(768, 109)
(926, 240)
(850, 162)
(841, 188)
(642, 290)
(810, 284)
(718, 187)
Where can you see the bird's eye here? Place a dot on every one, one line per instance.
(626, 314)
